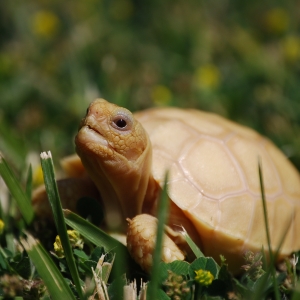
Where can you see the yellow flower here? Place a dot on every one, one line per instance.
(277, 20)
(58, 249)
(161, 95)
(204, 277)
(45, 24)
(1, 226)
(38, 176)
(75, 240)
(291, 48)
(208, 76)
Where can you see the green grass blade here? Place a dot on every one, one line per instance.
(272, 261)
(91, 232)
(53, 195)
(22, 199)
(163, 209)
(198, 253)
(296, 292)
(261, 286)
(96, 235)
(29, 182)
(56, 284)
(262, 189)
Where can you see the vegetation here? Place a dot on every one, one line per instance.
(238, 59)
(69, 270)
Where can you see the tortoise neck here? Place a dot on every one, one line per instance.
(151, 197)
(124, 184)
(125, 188)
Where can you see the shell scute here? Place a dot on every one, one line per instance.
(183, 189)
(211, 168)
(171, 143)
(229, 221)
(247, 152)
(283, 215)
(208, 211)
(256, 235)
(288, 174)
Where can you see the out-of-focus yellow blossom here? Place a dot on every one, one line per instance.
(208, 76)
(277, 20)
(38, 176)
(1, 226)
(204, 277)
(45, 23)
(291, 48)
(75, 240)
(161, 95)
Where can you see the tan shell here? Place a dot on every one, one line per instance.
(214, 180)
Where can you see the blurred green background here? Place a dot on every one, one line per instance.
(240, 59)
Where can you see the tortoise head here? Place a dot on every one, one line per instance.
(116, 152)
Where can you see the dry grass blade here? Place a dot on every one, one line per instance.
(131, 291)
(100, 288)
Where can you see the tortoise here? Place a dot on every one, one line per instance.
(213, 182)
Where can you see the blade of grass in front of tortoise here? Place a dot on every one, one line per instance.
(91, 232)
(54, 199)
(163, 209)
(296, 292)
(51, 275)
(97, 236)
(196, 250)
(263, 196)
(22, 199)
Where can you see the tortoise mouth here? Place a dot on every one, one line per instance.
(91, 135)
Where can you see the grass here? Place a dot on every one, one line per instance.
(72, 272)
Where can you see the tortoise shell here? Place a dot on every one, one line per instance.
(214, 180)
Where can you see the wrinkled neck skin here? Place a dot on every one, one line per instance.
(125, 186)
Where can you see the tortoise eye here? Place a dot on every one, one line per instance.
(122, 122)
